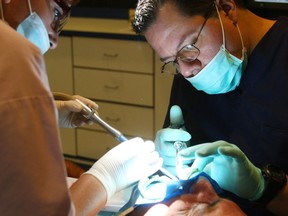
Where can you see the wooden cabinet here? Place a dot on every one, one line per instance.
(59, 68)
(122, 76)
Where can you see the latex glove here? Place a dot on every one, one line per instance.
(227, 165)
(165, 139)
(69, 110)
(126, 164)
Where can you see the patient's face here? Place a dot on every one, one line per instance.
(202, 201)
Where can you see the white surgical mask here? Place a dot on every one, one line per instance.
(35, 31)
(223, 73)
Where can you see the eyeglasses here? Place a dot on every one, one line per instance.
(62, 14)
(187, 54)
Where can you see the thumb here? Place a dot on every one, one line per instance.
(176, 117)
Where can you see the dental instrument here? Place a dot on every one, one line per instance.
(91, 114)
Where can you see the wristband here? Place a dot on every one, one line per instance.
(275, 181)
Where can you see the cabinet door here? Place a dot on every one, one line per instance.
(120, 55)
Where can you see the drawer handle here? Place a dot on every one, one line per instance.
(111, 87)
(107, 55)
(112, 119)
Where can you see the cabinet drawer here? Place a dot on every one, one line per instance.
(93, 144)
(68, 141)
(131, 121)
(121, 55)
(114, 86)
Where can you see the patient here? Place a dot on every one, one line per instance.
(201, 200)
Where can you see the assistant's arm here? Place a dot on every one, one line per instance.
(119, 168)
(89, 195)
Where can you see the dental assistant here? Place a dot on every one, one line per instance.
(230, 94)
(33, 180)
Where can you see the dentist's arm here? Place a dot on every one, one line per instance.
(234, 172)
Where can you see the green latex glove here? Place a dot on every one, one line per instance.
(227, 165)
(165, 139)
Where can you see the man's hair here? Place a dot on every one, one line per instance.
(69, 3)
(147, 10)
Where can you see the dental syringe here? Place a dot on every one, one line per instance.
(91, 114)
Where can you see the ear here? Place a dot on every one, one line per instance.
(230, 9)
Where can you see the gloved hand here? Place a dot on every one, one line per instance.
(126, 164)
(69, 115)
(227, 165)
(165, 139)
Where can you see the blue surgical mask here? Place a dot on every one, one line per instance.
(223, 73)
(35, 31)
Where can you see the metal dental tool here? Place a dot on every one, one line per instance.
(179, 145)
(91, 114)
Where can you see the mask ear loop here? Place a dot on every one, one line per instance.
(223, 33)
(222, 28)
(1, 10)
(243, 47)
(30, 8)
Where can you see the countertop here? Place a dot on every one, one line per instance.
(99, 25)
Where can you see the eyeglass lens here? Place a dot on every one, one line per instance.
(61, 19)
(187, 54)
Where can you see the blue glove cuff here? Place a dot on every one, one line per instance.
(260, 189)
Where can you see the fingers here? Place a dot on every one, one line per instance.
(201, 163)
(191, 151)
(150, 146)
(210, 148)
(233, 151)
(176, 117)
(73, 106)
(172, 135)
(141, 156)
(87, 101)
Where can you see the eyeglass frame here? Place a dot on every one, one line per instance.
(59, 22)
(177, 58)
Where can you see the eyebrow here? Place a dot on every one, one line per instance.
(179, 46)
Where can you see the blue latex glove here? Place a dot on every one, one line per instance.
(165, 139)
(227, 165)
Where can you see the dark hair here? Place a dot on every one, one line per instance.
(147, 10)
